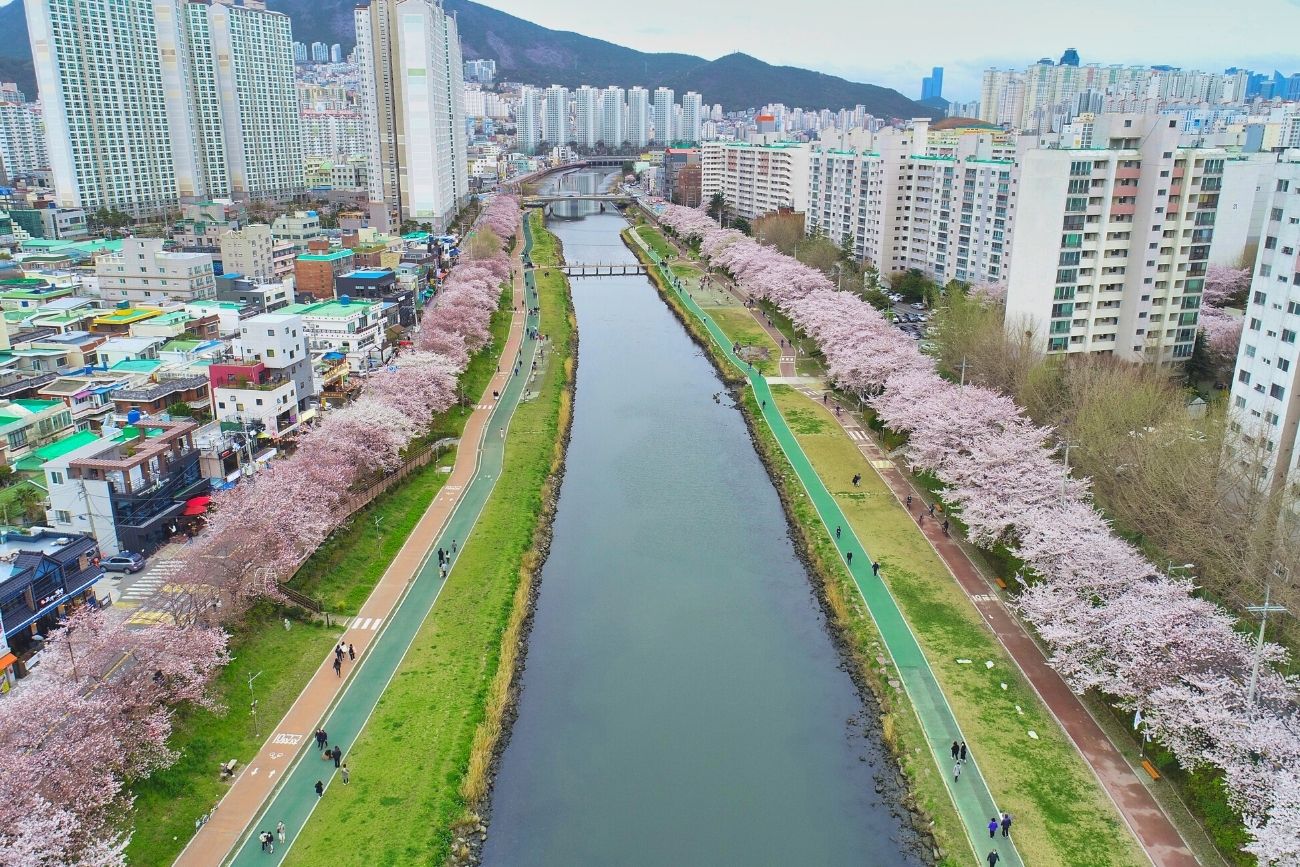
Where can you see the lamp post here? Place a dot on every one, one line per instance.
(252, 704)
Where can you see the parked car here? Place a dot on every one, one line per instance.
(918, 306)
(127, 561)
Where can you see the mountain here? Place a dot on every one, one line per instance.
(533, 54)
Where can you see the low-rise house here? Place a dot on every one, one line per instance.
(315, 273)
(153, 398)
(117, 349)
(44, 576)
(264, 297)
(120, 319)
(145, 273)
(353, 328)
(128, 489)
(256, 397)
(88, 396)
(27, 424)
(228, 313)
(297, 228)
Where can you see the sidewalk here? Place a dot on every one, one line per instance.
(291, 736)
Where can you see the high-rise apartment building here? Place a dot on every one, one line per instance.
(168, 101)
(755, 179)
(1112, 242)
(412, 94)
(932, 84)
(638, 117)
(528, 119)
(22, 136)
(692, 114)
(320, 52)
(1266, 386)
(336, 53)
(555, 116)
(249, 252)
(663, 115)
(299, 52)
(612, 111)
(586, 116)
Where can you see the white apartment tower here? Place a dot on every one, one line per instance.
(1265, 401)
(528, 121)
(663, 116)
(165, 101)
(612, 110)
(412, 95)
(22, 139)
(638, 117)
(587, 117)
(755, 179)
(692, 114)
(555, 126)
(1112, 243)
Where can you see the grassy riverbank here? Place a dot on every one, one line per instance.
(1063, 817)
(342, 573)
(436, 720)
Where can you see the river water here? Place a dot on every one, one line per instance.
(683, 702)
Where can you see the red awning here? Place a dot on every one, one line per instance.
(196, 506)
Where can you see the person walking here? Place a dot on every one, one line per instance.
(993, 827)
(352, 654)
(945, 526)
(279, 831)
(909, 504)
(993, 858)
(338, 666)
(453, 547)
(963, 752)
(837, 532)
(345, 773)
(849, 557)
(320, 788)
(1006, 824)
(338, 754)
(956, 772)
(875, 569)
(955, 754)
(932, 510)
(324, 738)
(320, 739)
(265, 837)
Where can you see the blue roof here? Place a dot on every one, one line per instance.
(334, 356)
(370, 275)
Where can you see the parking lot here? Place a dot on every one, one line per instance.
(912, 319)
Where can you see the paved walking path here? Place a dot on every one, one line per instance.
(970, 794)
(286, 768)
(1136, 804)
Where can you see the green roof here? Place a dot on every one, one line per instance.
(35, 406)
(325, 257)
(137, 365)
(130, 433)
(221, 305)
(9, 419)
(57, 449)
(126, 316)
(330, 308)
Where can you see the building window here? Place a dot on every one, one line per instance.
(1288, 336)
(1276, 391)
(62, 517)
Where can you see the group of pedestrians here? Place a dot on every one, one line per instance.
(341, 650)
(444, 559)
(958, 759)
(268, 839)
(959, 756)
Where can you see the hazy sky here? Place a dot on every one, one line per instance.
(895, 43)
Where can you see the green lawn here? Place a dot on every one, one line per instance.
(740, 326)
(657, 242)
(168, 802)
(1061, 811)
(342, 572)
(409, 763)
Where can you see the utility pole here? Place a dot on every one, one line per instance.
(252, 704)
(378, 519)
(68, 636)
(1065, 476)
(1263, 611)
(963, 378)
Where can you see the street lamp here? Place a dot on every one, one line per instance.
(252, 704)
(1170, 569)
(1263, 611)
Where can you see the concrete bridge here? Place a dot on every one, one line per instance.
(542, 200)
(596, 269)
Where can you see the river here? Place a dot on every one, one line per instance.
(683, 701)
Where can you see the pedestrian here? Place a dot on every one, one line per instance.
(338, 666)
(265, 837)
(824, 394)
(993, 858)
(324, 738)
(955, 754)
(764, 405)
(352, 654)
(320, 788)
(320, 739)
(837, 532)
(993, 827)
(345, 773)
(338, 755)
(1006, 824)
(875, 569)
(453, 546)
(849, 557)
(441, 557)
(909, 504)
(286, 624)
(963, 751)
(932, 510)
(956, 772)
(279, 830)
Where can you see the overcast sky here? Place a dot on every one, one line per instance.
(894, 44)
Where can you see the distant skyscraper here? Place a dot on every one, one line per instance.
(300, 52)
(166, 102)
(664, 115)
(528, 119)
(587, 116)
(555, 114)
(932, 84)
(638, 117)
(692, 109)
(1069, 58)
(320, 52)
(336, 53)
(481, 70)
(612, 110)
(412, 92)
(22, 136)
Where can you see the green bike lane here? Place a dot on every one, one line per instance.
(295, 798)
(970, 794)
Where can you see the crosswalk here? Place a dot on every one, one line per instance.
(361, 623)
(161, 573)
(856, 433)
